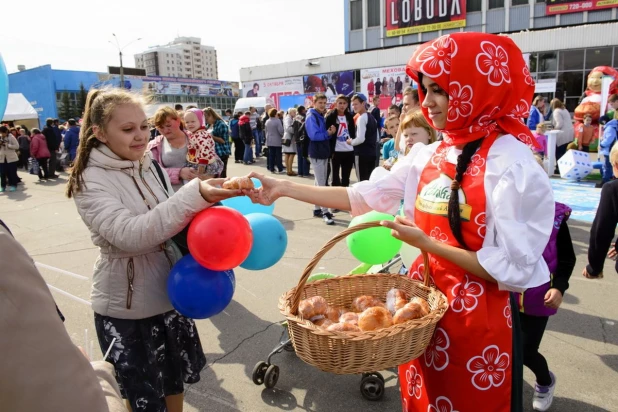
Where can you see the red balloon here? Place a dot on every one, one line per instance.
(220, 238)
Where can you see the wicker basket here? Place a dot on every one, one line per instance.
(359, 352)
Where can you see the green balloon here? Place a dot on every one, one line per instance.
(320, 276)
(375, 245)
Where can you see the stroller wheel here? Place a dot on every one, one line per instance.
(372, 388)
(259, 371)
(272, 376)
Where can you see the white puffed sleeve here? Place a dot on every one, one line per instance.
(520, 217)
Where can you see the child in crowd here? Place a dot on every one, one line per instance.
(201, 154)
(610, 135)
(585, 134)
(389, 154)
(541, 138)
(415, 129)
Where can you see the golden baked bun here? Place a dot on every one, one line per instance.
(361, 303)
(375, 318)
(396, 299)
(334, 312)
(423, 304)
(349, 317)
(343, 327)
(410, 311)
(323, 323)
(313, 306)
(239, 183)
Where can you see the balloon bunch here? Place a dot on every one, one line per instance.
(221, 238)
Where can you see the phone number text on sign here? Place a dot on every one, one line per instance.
(567, 6)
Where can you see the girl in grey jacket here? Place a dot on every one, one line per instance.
(131, 218)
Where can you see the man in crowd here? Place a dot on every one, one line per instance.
(256, 130)
(410, 101)
(71, 139)
(319, 148)
(366, 138)
(53, 144)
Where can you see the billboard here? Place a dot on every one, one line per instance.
(330, 84)
(189, 87)
(386, 82)
(274, 88)
(577, 6)
(417, 16)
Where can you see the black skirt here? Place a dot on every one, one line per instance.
(153, 357)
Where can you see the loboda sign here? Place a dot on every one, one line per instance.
(416, 16)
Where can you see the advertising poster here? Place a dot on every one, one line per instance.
(414, 16)
(288, 102)
(189, 87)
(386, 82)
(577, 6)
(330, 84)
(274, 88)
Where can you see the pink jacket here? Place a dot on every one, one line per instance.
(38, 147)
(155, 150)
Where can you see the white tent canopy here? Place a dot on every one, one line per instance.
(18, 108)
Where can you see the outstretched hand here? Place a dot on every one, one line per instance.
(212, 192)
(270, 191)
(405, 230)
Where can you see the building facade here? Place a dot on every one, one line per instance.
(561, 42)
(184, 57)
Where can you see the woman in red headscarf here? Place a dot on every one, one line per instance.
(479, 204)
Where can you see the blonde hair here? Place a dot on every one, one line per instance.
(556, 104)
(100, 104)
(163, 114)
(613, 155)
(416, 119)
(541, 128)
(212, 112)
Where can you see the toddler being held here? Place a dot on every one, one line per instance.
(201, 154)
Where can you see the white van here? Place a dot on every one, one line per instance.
(243, 104)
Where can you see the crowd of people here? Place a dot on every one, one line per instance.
(463, 173)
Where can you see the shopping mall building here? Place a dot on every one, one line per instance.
(562, 40)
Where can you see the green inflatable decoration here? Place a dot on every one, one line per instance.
(319, 276)
(375, 245)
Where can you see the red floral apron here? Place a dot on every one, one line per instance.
(467, 366)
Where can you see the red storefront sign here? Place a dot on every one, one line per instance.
(416, 16)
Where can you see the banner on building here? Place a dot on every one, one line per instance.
(330, 84)
(386, 82)
(577, 6)
(306, 100)
(189, 87)
(417, 16)
(274, 88)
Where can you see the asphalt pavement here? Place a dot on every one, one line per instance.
(580, 344)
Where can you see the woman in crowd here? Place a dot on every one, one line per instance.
(274, 137)
(40, 151)
(169, 148)
(131, 218)
(484, 239)
(289, 143)
(220, 134)
(24, 148)
(8, 159)
(536, 115)
(561, 119)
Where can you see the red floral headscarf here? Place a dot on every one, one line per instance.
(607, 71)
(487, 81)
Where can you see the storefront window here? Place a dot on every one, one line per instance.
(547, 76)
(496, 4)
(548, 62)
(571, 60)
(598, 57)
(533, 62)
(571, 103)
(473, 5)
(572, 83)
(519, 2)
(356, 15)
(373, 13)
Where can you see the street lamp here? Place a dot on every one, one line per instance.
(120, 49)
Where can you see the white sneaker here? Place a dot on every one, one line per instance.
(328, 219)
(541, 401)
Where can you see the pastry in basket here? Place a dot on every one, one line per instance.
(323, 323)
(396, 299)
(423, 303)
(361, 303)
(334, 312)
(239, 183)
(343, 327)
(375, 318)
(410, 311)
(349, 317)
(313, 306)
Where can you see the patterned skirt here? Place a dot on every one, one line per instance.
(153, 357)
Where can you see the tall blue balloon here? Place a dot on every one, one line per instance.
(4, 87)
(197, 292)
(244, 204)
(269, 242)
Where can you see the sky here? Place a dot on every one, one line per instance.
(75, 34)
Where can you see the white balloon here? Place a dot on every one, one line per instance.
(408, 254)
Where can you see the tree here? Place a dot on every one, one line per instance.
(81, 100)
(66, 111)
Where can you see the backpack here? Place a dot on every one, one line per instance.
(300, 134)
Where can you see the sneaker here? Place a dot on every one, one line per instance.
(544, 395)
(317, 213)
(328, 218)
(12, 188)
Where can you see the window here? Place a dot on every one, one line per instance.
(571, 60)
(572, 83)
(473, 5)
(356, 15)
(548, 62)
(598, 57)
(519, 2)
(496, 4)
(373, 13)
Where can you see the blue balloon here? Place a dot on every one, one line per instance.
(269, 242)
(244, 204)
(4, 87)
(197, 292)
